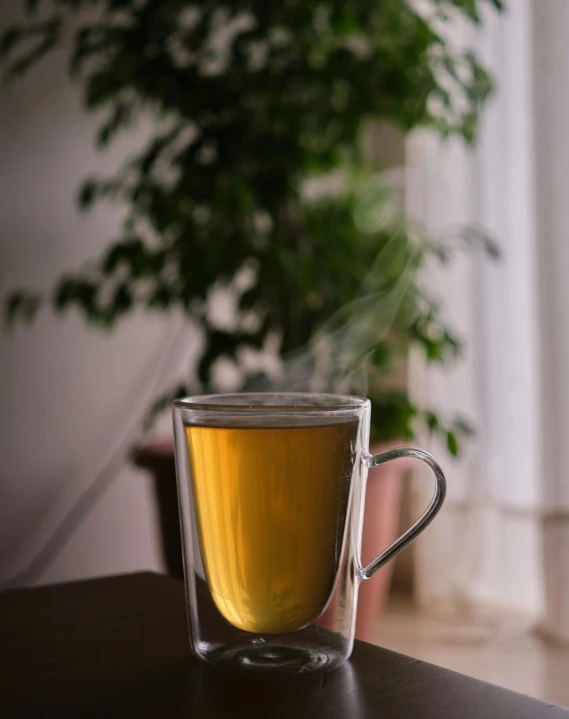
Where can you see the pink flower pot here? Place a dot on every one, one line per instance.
(381, 528)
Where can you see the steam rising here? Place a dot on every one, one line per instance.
(338, 357)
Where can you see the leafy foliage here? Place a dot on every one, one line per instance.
(249, 99)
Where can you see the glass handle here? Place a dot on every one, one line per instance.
(424, 520)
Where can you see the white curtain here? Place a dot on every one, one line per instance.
(503, 537)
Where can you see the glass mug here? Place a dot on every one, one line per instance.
(271, 491)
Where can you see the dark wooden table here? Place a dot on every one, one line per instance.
(118, 647)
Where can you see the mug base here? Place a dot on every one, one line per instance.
(269, 658)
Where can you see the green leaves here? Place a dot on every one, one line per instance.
(21, 305)
(87, 194)
(470, 8)
(432, 421)
(438, 342)
(10, 39)
(77, 291)
(456, 433)
(39, 39)
(452, 433)
(236, 129)
(392, 417)
(452, 444)
(133, 255)
(120, 117)
(31, 6)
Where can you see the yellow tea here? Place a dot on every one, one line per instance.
(271, 504)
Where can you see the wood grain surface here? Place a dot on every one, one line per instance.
(118, 647)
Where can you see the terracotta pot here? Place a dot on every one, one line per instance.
(157, 456)
(381, 528)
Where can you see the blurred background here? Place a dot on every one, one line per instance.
(366, 197)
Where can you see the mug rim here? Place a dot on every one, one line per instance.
(223, 402)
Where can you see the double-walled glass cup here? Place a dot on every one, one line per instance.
(271, 491)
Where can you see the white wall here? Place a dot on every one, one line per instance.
(68, 394)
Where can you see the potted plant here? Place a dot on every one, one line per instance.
(253, 104)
